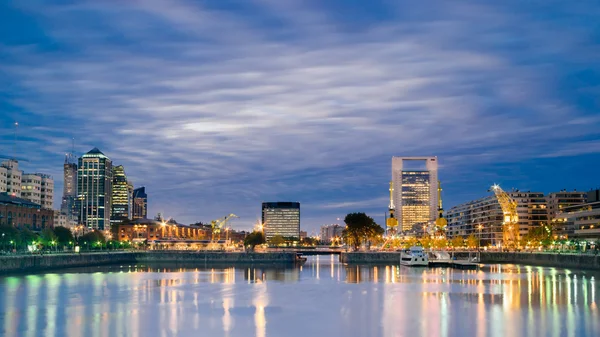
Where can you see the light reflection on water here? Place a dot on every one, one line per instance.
(322, 298)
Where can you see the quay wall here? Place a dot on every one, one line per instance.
(28, 263)
(370, 257)
(563, 260)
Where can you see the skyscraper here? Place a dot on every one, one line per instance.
(281, 218)
(69, 204)
(94, 185)
(140, 203)
(121, 200)
(414, 181)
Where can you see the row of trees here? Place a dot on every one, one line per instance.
(57, 238)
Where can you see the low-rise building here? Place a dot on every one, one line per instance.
(61, 219)
(22, 213)
(140, 230)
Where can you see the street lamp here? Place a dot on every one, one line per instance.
(480, 227)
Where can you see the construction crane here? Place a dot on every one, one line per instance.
(219, 224)
(440, 222)
(510, 224)
(392, 222)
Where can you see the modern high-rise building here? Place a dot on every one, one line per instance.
(414, 185)
(13, 178)
(121, 195)
(484, 217)
(281, 218)
(140, 203)
(38, 188)
(94, 186)
(69, 198)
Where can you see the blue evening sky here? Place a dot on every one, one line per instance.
(216, 106)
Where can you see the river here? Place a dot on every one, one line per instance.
(321, 298)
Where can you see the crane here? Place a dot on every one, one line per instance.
(392, 222)
(510, 224)
(218, 224)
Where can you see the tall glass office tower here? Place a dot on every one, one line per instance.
(94, 185)
(415, 182)
(281, 218)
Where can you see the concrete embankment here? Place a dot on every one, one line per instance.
(370, 257)
(578, 261)
(26, 263)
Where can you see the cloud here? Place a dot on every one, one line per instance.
(215, 110)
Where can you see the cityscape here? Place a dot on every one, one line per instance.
(299, 168)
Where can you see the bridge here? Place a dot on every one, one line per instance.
(311, 251)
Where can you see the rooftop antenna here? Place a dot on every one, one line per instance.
(15, 145)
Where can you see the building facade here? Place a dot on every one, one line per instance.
(22, 213)
(121, 195)
(61, 219)
(31, 188)
(329, 232)
(13, 176)
(484, 217)
(69, 199)
(38, 188)
(281, 218)
(140, 203)
(414, 182)
(583, 221)
(94, 186)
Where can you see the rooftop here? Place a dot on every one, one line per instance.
(5, 198)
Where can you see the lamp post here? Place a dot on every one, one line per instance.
(480, 227)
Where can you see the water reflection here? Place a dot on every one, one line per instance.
(322, 297)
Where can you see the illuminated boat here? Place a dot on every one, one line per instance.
(415, 256)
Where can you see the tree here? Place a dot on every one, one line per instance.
(8, 234)
(440, 243)
(27, 237)
(254, 239)
(426, 241)
(48, 237)
(64, 235)
(410, 242)
(360, 228)
(472, 241)
(277, 240)
(92, 238)
(457, 242)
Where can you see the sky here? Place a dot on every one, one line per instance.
(217, 106)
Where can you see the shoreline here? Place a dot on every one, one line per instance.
(33, 263)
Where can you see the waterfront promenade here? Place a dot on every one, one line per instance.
(35, 262)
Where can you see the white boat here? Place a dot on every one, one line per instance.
(415, 256)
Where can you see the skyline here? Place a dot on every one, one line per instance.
(256, 104)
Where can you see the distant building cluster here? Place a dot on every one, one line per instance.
(25, 198)
(330, 233)
(568, 213)
(104, 194)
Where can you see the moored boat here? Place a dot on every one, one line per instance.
(414, 256)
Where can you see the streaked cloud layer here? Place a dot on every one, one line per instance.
(216, 106)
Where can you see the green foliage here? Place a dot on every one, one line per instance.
(10, 233)
(360, 228)
(27, 237)
(91, 239)
(457, 242)
(472, 241)
(308, 241)
(254, 239)
(48, 237)
(426, 241)
(277, 240)
(63, 235)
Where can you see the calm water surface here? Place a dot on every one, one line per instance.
(322, 298)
